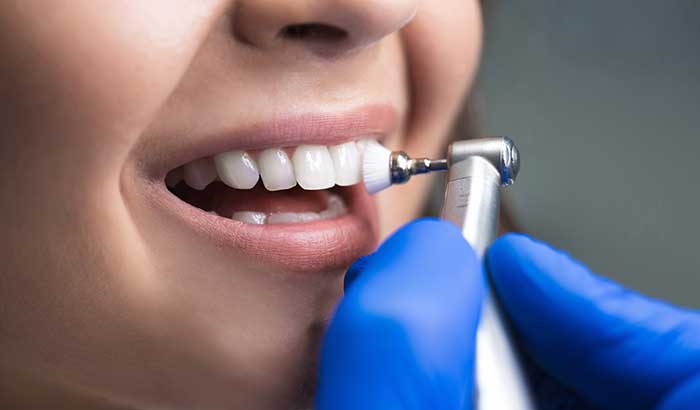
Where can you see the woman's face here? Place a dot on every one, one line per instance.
(116, 291)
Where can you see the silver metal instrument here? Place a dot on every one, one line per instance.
(477, 169)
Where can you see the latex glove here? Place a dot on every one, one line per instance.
(403, 335)
(613, 347)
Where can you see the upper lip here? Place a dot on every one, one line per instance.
(374, 121)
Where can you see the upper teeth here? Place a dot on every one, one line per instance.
(311, 166)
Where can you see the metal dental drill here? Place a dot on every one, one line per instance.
(476, 170)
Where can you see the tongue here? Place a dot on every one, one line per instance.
(226, 201)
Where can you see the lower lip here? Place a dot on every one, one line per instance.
(305, 247)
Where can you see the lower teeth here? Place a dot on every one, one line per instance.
(335, 208)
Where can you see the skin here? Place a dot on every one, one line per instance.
(106, 306)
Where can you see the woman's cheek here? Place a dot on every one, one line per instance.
(442, 46)
(83, 70)
(84, 79)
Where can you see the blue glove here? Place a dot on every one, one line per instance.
(403, 335)
(613, 347)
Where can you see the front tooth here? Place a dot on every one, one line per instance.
(313, 167)
(276, 170)
(360, 144)
(336, 207)
(200, 173)
(237, 169)
(292, 217)
(346, 163)
(250, 217)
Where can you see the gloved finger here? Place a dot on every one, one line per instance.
(686, 396)
(403, 335)
(612, 345)
(359, 266)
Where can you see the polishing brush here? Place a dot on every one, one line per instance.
(382, 168)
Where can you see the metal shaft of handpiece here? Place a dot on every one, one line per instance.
(425, 165)
(403, 167)
(472, 200)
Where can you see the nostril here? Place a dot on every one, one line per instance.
(313, 31)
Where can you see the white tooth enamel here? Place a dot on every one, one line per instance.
(313, 167)
(237, 169)
(200, 173)
(332, 213)
(335, 202)
(336, 207)
(346, 163)
(174, 177)
(361, 145)
(276, 170)
(292, 217)
(249, 217)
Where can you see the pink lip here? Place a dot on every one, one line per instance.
(308, 247)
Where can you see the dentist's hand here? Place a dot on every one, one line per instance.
(403, 335)
(611, 347)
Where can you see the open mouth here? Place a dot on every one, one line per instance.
(286, 194)
(272, 186)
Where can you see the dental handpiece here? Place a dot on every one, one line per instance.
(477, 169)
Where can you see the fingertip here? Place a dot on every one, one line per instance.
(515, 255)
(415, 234)
(513, 246)
(506, 257)
(429, 227)
(428, 240)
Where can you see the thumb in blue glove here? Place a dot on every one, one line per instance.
(613, 347)
(403, 335)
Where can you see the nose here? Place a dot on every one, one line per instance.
(322, 26)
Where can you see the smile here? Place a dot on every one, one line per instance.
(239, 184)
(287, 192)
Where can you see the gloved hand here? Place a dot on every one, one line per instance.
(403, 336)
(613, 347)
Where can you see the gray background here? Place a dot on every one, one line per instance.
(603, 99)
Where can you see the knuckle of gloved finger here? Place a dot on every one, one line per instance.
(444, 305)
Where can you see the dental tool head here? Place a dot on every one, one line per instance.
(382, 168)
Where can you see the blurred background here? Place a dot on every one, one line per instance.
(603, 99)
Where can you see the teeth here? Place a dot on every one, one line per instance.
(200, 173)
(292, 217)
(249, 217)
(276, 170)
(346, 163)
(362, 143)
(237, 169)
(334, 209)
(313, 167)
